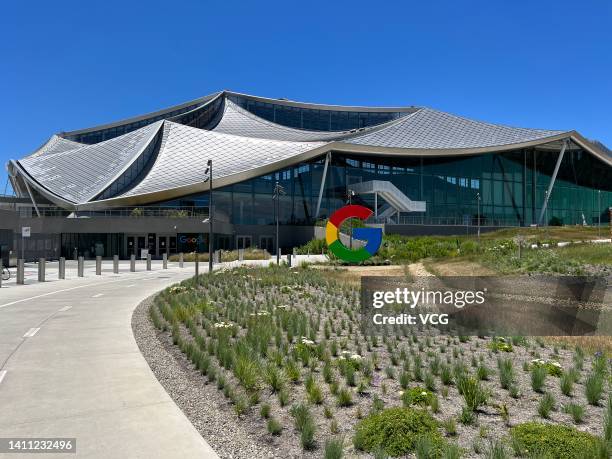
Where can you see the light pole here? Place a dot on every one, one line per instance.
(278, 191)
(599, 213)
(211, 234)
(351, 193)
(478, 214)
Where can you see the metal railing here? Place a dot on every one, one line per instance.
(132, 212)
(448, 221)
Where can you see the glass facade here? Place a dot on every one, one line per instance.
(511, 186)
(314, 119)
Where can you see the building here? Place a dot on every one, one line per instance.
(143, 182)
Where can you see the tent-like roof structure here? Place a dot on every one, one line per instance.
(162, 155)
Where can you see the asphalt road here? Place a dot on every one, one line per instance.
(69, 367)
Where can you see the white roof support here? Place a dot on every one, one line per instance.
(552, 181)
(327, 160)
(31, 197)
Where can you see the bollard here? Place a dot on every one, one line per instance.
(98, 265)
(132, 263)
(20, 272)
(61, 274)
(165, 261)
(116, 264)
(240, 254)
(81, 267)
(181, 260)
(197, 268)
(149, 262)
(289, 259)
(41, 269)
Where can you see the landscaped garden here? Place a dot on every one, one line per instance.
(282, 354)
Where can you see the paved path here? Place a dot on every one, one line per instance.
(69, 367)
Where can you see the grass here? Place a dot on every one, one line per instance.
(575, 411)
(334, 448)
(274, 427)
(546, 405)
(593, 388)
(538, 377)
(566, 383)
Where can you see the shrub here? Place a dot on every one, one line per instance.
(593, 388)
(274, 427)
(567, 384)
(274, 378)
(607, 431)
(473, 393)
(552, 367)
(546, 405)
(424, 447)
(265, 411)
(430, 382)
(344, 397)
(497, 450)
(552, 440)
(406, 425)
(451, 451)
(247, 372)
(538, 376)
(450, 426)
(500, 344)
(506, 372)
(483, 372)
(467, 416)
(304, 424)
(307, 436)
(417, 396)
(576, 411)
(333, 448)
(446, 375)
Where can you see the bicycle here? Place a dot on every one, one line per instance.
(6, 274)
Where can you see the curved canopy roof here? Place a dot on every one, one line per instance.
(163, 155)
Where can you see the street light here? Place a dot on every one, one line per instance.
(599, 213)
(478, 200)
(351, 193)
(278, 191)
(211, 234)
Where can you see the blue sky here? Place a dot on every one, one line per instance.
(69, 65)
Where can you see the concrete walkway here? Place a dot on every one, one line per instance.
(69, 367)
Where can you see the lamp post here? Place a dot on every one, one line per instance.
(599, 213)
(211, 234)
(478, 214)
(278, 191)
(351, 193)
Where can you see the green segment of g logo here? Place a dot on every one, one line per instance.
(373, 236)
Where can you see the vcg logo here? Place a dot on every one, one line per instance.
(372, 236)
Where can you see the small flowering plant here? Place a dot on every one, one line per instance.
(553, 367)
(416, 396)
(500, 344)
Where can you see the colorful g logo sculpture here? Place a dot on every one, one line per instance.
(373, 236)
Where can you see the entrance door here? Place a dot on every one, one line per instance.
(163, 245)
(267, 243)
(243, 242)
(141, 245)
(131, 247)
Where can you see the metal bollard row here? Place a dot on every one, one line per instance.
(116, 264)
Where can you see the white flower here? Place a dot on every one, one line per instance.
(356, 357)
(307, 341)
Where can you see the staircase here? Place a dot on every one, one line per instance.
(396, 200)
